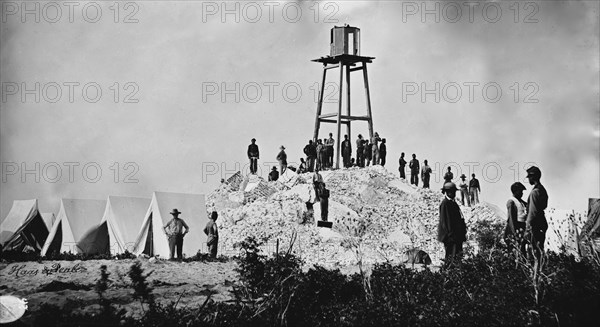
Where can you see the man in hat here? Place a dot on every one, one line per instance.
(273, 175)
(536, 224)
(517, 215)
(282, 158)
(329, 143)
(401, 165)
(253, 155)
(346, 151)
(367, 153)
(310, 150)
(452, 230)
(317, 181)
(474, 189)
(414, 170)
(212, 232)
(464, 190)
(175, 233)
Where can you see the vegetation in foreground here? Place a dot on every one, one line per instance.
(491, 288)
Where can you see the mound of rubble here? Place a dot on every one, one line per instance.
(376, 216)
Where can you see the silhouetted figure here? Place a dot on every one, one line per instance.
(310, 150)
(360, 155)
(273, 175)
(426, 174)
(536, 224)
(346, 151)
(253, 155)
(452, 230)
(282, 158)
(448, 176)
(464, 191)
(414, 170)
(474, 189)
(382, 152)
(516, 209)
(329, 144)
(401, 165)
(212, 234)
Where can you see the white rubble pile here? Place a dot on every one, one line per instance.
(376, 218)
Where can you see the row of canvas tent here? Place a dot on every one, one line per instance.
(110, 226)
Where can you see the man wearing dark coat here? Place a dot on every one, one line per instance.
(536, 224)
(310, 150)
(346, 151)
(452, 230)
(324, 200)
(253, 155)
(414, 170)
(382, 152)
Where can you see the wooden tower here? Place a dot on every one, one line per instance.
(345, 53)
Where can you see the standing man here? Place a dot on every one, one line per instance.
(448, 176)
(375, 148)
(324, 199)
(382, 152)
(212, 232)
(311, 155)
(175, 233)
(536, 224)
(319, 148)
(329, 143)
(346, 151)
(282, 158)
(253, 155)
(464, 190)
(452, 230)
(425, 174)
(474, 189)
(402, 163)
(517, 215)
(360, 157)
(317, 181)
(367, 153)
(414, 170)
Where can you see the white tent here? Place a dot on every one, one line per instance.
(49, 218)
(77, 228)
(124, 217)
(152, 239)
(23, 228)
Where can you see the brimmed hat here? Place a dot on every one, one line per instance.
(463, 176)
(534, 171)
(175, 212)
(274, 168)
(253, 140)
(449, 186)
(282, 147)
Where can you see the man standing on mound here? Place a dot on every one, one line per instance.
(536, 224)
(452, 230)
(212, 232)
(174, 230)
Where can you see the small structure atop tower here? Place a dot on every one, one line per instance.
(344, 52)
(345, 40)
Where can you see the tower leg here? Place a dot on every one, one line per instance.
(348, 102)
(368, 94)
(339, 116)
(319, 106)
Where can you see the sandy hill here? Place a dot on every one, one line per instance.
(376, 215)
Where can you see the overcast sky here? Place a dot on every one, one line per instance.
(167, 118)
